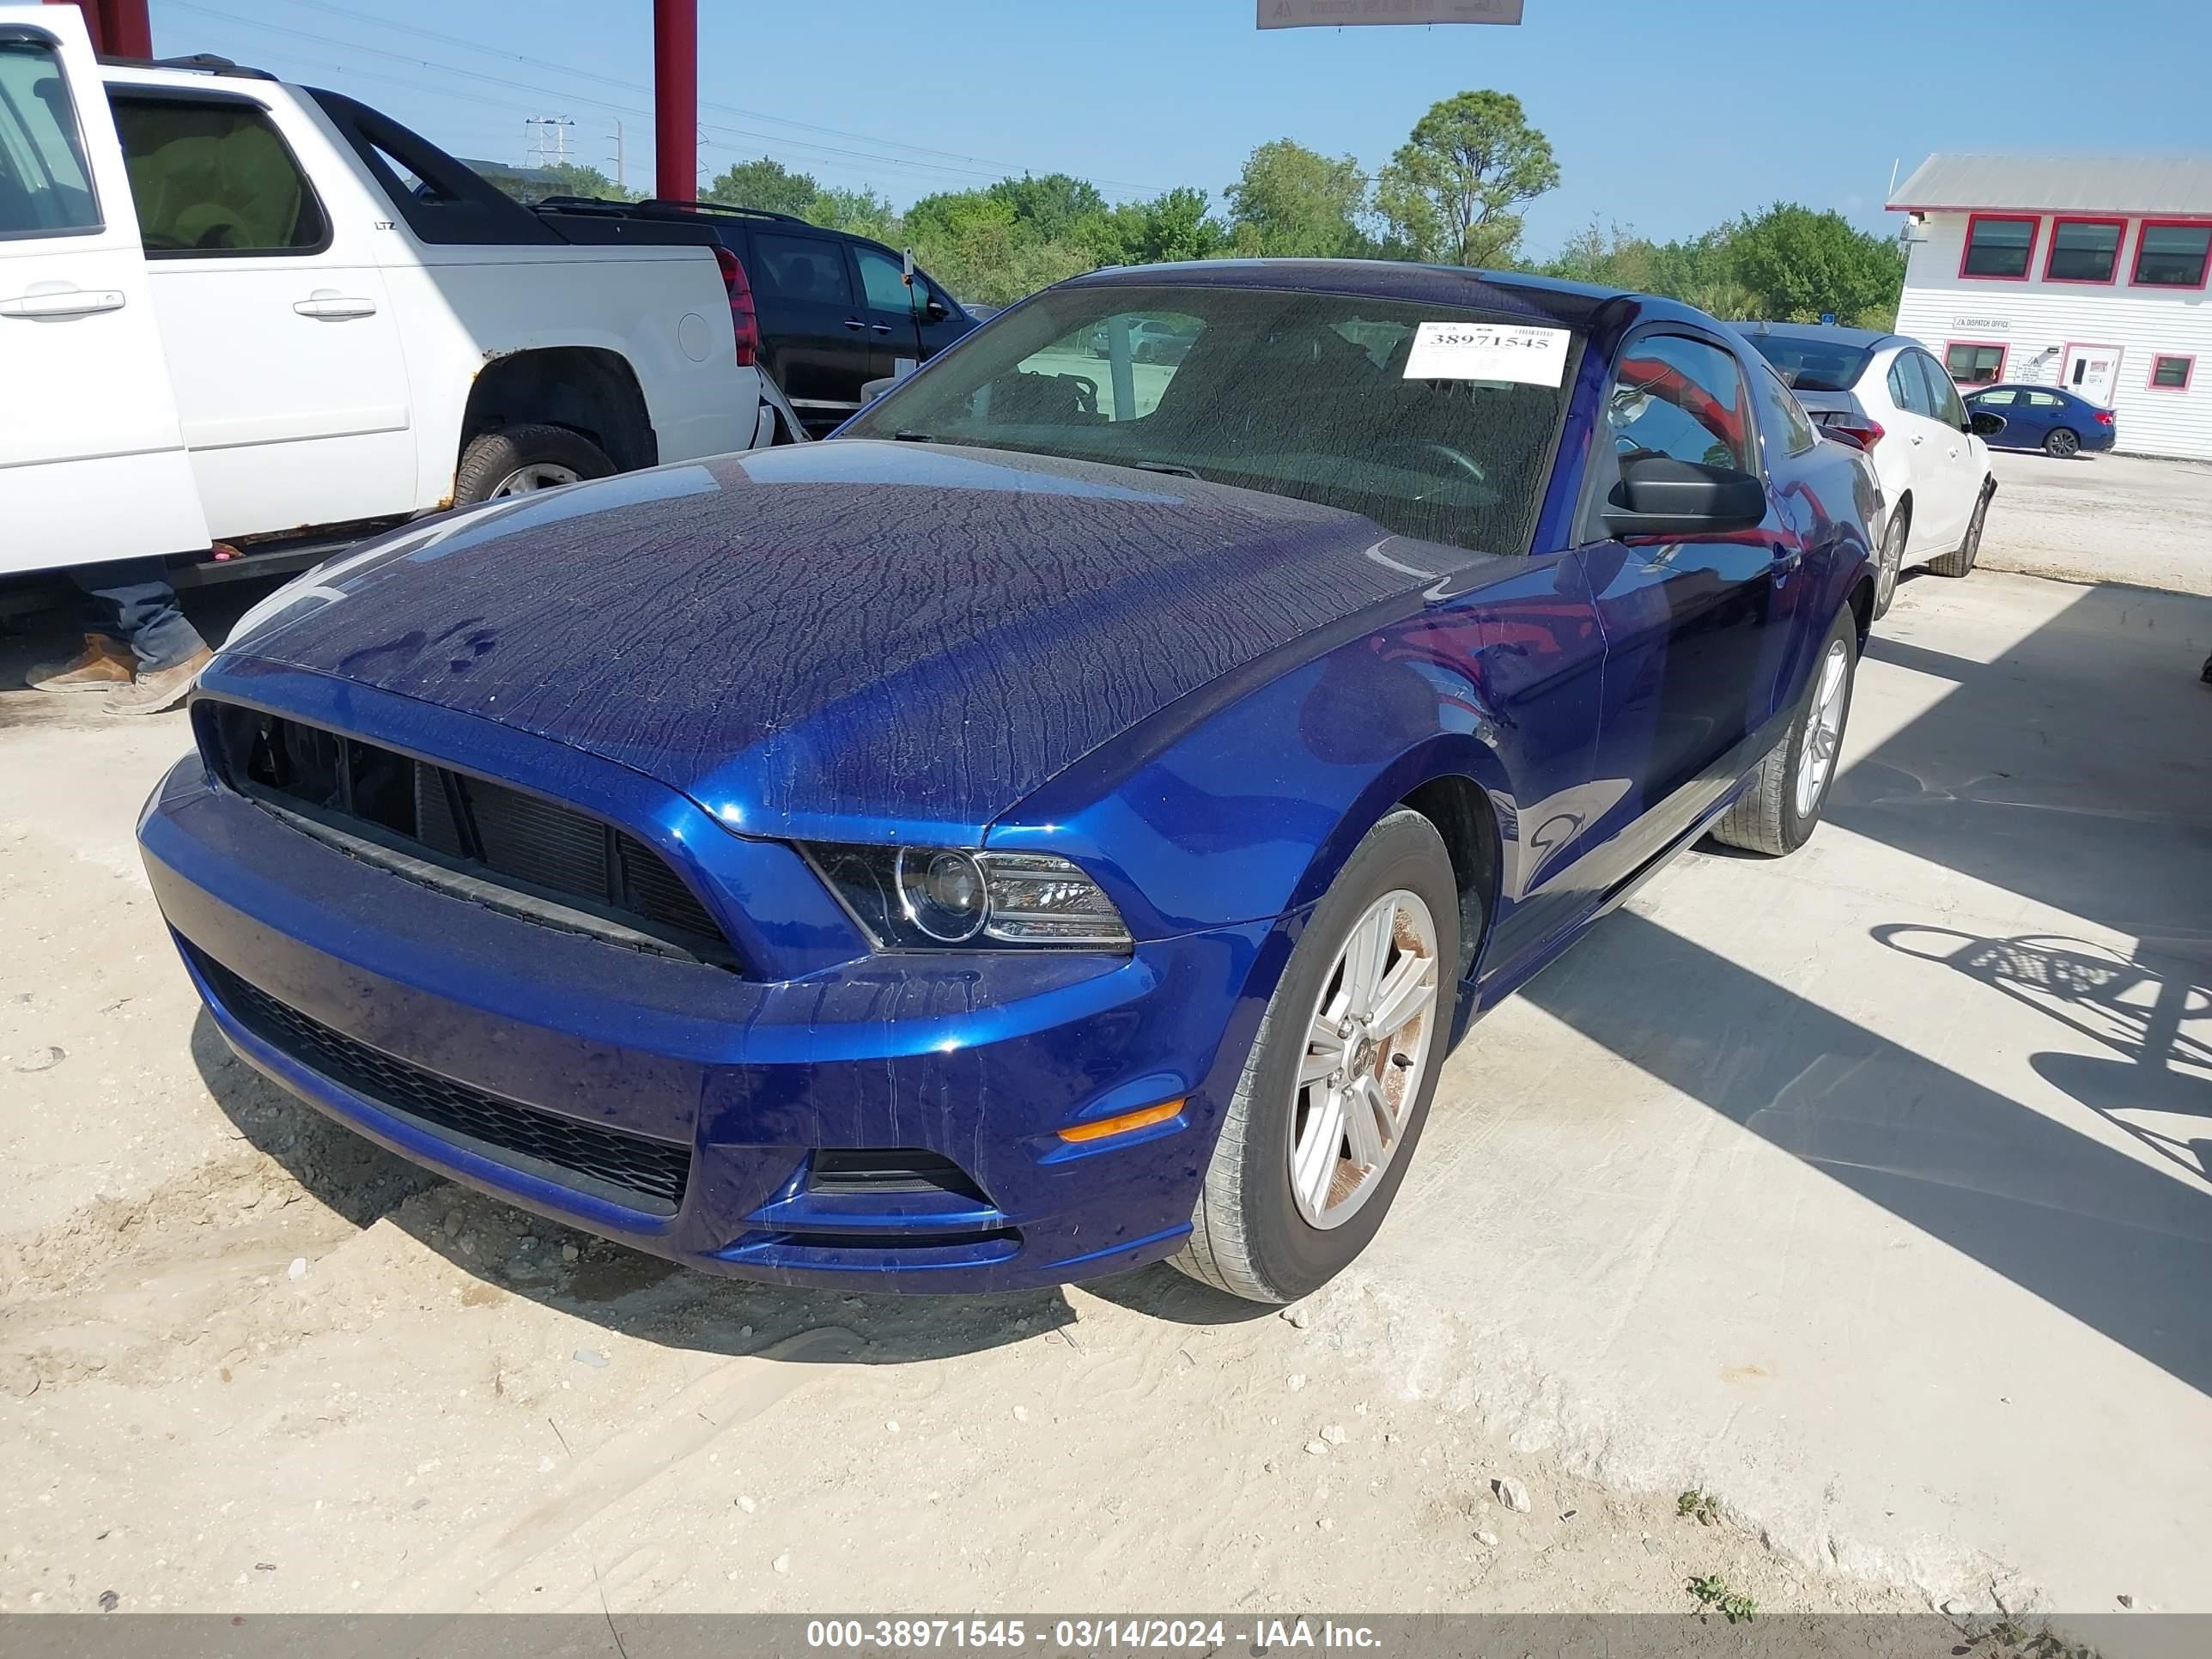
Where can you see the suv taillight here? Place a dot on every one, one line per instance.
(743, 318)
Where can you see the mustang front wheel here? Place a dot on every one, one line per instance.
(1331, 1104)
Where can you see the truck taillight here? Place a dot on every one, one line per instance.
(743, 318)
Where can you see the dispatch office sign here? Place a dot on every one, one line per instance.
(1345, 13)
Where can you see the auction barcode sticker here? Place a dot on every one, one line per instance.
(1488, 351)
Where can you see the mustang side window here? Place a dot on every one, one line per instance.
(1678, 397)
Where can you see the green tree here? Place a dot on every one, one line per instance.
(1050, 207)
(974, 243)
(1610, 256)
(1452, 191)
(1799, 264)
(570, 179)
(1172, 226)
(862, 212)
(1294, 202)
(765, 184)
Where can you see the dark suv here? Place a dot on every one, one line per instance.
(835, 310)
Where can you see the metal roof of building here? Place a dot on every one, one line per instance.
(2091, 184)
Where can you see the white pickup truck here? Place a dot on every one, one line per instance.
(241, 321)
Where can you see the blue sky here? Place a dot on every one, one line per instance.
(1668, 116)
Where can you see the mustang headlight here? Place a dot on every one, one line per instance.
(931, 898)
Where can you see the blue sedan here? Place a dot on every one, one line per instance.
(2043, 417)
(1060, 823)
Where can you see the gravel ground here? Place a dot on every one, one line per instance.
(2102, 519)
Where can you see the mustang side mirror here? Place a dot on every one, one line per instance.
(1983, 424)
(1659, 496)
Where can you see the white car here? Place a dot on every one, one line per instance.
(241, 322)
(1889, 395)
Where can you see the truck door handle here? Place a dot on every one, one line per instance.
(328, 303)
(63, 302)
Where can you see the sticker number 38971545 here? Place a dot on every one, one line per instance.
(1528, 355)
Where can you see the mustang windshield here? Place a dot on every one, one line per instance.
(1292, 393)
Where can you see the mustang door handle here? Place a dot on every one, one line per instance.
(335, 305)
(63, 302)
(1785, 561)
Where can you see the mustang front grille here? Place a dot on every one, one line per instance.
(631, 1170)
(532, 857)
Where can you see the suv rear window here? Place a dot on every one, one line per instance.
(1815, 364)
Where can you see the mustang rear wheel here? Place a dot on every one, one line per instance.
(1781, 806)
(1326, 1117)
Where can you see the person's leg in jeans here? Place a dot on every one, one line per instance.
(135, 609)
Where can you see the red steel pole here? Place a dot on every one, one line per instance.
(129, 34)
(675, 98)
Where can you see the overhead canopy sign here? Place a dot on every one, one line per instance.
(1347, 14)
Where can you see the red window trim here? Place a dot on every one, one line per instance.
(2202, 276)
(2119, 250)
(2003, 349)
(2033, 222)
(2150, 381)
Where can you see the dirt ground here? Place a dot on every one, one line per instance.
(250, 1363)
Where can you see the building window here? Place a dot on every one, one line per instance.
(2170, 374)
(1998, 249)
(1973, 364)
(2172, 255)
(2084, 250)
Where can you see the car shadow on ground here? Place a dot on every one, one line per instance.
(2073, 771)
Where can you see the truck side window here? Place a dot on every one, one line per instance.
(43, 187)
(212, 176)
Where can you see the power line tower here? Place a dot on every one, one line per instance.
(548, 140)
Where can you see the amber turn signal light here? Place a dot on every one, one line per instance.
(1143, 1118)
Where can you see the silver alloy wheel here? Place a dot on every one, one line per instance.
(538, 475)
(1825, 732)
(1367, 1049)
(1893, 561)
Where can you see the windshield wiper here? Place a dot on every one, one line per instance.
(1164, 467)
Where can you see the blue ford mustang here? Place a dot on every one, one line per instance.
(1060, 823)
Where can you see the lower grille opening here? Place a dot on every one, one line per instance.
(632, 1170)
(875, 1172)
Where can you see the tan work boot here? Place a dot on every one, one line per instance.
(155, 690)
(102, 665)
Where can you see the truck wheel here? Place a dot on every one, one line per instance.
(1780, 808)
(514, 460)
(1324, 1120)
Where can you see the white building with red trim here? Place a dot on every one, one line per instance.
(2075, 271)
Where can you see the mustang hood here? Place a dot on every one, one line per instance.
(828, 638)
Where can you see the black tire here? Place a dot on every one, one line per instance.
(2063, 441)
(1765, 818)
(1960, 559)
(1248, 1236)
(1890, 561)
(493, 458)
